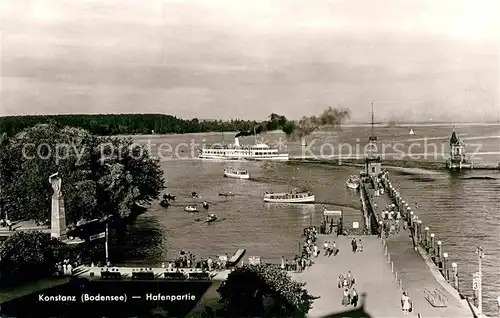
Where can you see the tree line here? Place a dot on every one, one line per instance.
(132, 124)
(125, 124)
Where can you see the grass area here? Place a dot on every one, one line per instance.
(9, 293)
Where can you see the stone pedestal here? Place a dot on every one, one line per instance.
(58, 219)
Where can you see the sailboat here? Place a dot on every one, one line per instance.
(411, 132)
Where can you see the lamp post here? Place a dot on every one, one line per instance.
(498, 304)
(480, 254)
(106, 242)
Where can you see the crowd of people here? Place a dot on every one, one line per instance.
(67, 266)
(310, 251)
(187, 259)
(350, 296)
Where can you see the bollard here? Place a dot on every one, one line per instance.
(446, 270)
(432, 247)
(454, 269)
(392, 267)
(396, 277)
(386, 250)
(388, 258)
(427, 240)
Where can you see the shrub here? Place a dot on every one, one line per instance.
(264, 291)
(30, 255)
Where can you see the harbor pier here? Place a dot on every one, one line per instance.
(423, 267)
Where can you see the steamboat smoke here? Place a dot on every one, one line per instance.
(331, 117)
(259, 129)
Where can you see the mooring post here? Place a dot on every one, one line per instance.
(446, 271)
(386, 250)
(433, 245)
(388, 258)
(392, 267)
(427, 242)
(396, 276)
(454, 270)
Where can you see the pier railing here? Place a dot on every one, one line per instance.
(427, 244)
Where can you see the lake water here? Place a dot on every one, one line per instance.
(462, 210)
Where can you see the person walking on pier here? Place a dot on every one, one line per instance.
(350, 280)
(354, 245)
(346, 298)
(360, 245)
(354, 298)
(405, 303)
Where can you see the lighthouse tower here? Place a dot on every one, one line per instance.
(457, 159)
(373, 162)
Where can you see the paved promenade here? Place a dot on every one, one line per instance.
(417, 276)
(370, 270)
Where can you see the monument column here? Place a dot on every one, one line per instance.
(58, 213)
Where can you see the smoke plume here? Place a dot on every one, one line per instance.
(331, 117)
(259, 129)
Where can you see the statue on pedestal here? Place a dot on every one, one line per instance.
(56, 184)
(58, 213)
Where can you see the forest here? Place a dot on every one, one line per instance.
(136, 124)
(125, 124)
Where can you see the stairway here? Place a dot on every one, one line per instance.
(349, 216)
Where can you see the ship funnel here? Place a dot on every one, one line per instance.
(236, 142)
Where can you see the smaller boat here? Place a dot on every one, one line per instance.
(226, 194)
(352, 182)
(205, 205)
(294, 196)
(164, 203)
(191, 208)
(195, 195)
(169, 196)
(211, 218)
(238, 174)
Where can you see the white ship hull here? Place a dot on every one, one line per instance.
(352, 185)
(236, 176)
(280, 157)
(309, 199)
(236, 152)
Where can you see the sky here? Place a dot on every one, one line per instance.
(416, 60)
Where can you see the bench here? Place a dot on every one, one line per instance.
(436, 298)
